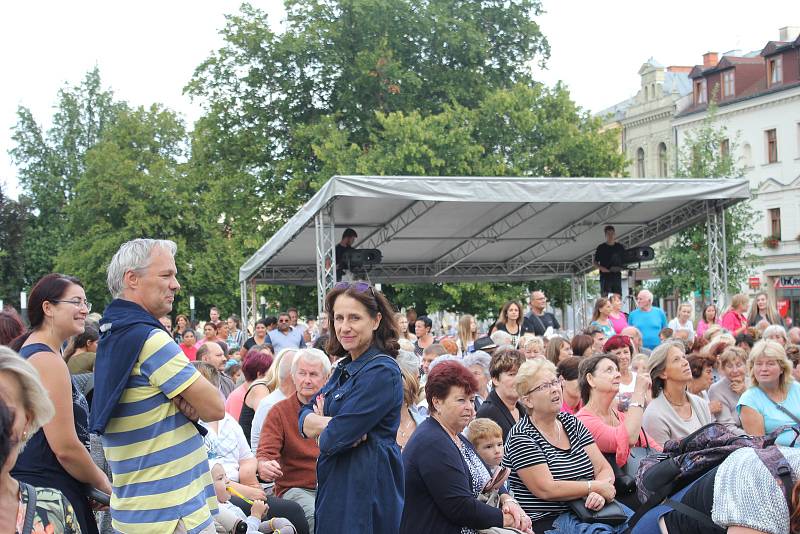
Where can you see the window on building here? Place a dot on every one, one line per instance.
(640, 163)
(725, 148)
(662, 160)
(775, 222)
(775, 70)
(700, 91)
(728, 84)
(772, 146)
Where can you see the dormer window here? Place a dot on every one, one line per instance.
(728, 84)
(700, 91)
(775, 70)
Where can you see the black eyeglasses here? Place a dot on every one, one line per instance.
(360, 287)
(77, 303)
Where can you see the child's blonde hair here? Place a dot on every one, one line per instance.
(482, 429)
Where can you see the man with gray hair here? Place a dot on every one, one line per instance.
(284, 390)
(147, 399)
(648, 319)
(283, 454)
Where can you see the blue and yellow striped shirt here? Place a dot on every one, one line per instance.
(156, 455)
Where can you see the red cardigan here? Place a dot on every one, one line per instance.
(281, 440)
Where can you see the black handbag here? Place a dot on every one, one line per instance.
(610, 514)
(625, 476)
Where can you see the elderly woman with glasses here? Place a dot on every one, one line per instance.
(552, 456)
(356, 415)
(57, 455)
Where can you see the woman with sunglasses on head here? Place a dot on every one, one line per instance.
(57, 455)
(356, 415)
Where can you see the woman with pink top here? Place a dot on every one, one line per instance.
(617, 318)
(734, 320)
(710, 316)
(613, 431)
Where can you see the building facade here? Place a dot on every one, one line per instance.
(758, 99)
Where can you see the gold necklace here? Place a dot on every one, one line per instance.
(547, 437)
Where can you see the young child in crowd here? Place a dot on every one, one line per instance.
(232, 520)
(639, 363)
(665, 334)
(487, 438)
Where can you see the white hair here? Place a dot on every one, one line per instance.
(312, 356)
(501, 337)
(479, 358)
(409, 361)
(444, 358)
(134, 255)
(38, 406)
(647, 294)
(774, 329)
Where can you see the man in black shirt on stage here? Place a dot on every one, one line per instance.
(608, 258)
(348, 240)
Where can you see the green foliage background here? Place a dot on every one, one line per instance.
(439, 87)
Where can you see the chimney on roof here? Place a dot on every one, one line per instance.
(788, 33)
(679, 68)
(709, 59)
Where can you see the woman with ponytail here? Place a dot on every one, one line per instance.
(57, 455)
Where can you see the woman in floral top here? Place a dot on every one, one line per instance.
(24, 408)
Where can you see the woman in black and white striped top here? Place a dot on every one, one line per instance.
(552, 456)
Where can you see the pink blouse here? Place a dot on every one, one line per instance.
(613, 438)
(702, 326)
(619, 323)
(733, 321)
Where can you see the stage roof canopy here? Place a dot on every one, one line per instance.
(448, 229)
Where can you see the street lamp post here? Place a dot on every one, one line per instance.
(191, 307)
(23, 306)
(263, 302)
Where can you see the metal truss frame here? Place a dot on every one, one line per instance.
(717, 253)
(248, 309)
(566, 234)
(325, 247)
(488, 235)
(387, 231)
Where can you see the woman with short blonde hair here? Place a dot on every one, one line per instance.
(532, 346)
(773, 399)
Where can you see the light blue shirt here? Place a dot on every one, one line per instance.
(756, 399)
(279, 341)
(649, 323)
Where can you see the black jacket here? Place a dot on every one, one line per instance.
(494, 409)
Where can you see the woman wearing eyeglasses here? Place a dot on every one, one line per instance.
(356, 416)
(57, 455)
(552, 456)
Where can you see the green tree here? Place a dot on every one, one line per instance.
(13, 221)
(381, 87)
(682, 262)
(50, 165)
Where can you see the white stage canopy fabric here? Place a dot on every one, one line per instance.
(447, 229)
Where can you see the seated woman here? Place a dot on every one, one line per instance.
(24, 408)
(567, 371)
(613, 431)
(674, 413)
(443, 473)
(502, 405)
(557, 349)
(732, 365)
(774, 397)
(702, 367)
(552, 456)
(582, 345)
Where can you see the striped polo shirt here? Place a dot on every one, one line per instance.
(157, 457)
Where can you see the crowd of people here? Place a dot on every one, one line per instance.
(364, 420)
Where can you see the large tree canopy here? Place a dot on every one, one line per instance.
(365, 87)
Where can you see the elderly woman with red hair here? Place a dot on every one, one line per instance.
(443, 473)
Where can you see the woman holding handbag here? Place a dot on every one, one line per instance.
(553, 458)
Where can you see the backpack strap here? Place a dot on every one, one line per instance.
(785, 411)
(774, 460)
(30, 508)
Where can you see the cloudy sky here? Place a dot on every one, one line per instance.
(147, 50)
